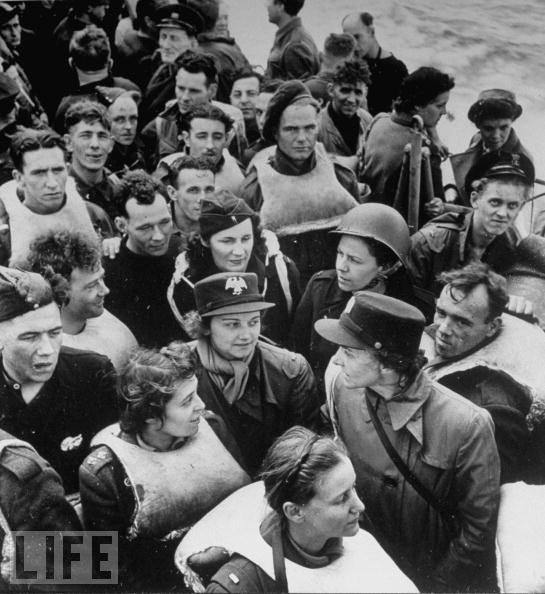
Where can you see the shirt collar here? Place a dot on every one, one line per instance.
(405, 410)
(145, 446)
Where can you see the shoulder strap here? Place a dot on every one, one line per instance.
(440, 506)
(279, 563)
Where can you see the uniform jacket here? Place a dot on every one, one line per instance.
(281, 392)
(31, 497)
(443, 244)
(293, 54)
(448, 443)
(77, 401)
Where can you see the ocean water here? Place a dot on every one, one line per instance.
(483, 43)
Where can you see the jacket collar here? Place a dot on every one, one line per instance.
(286, 29)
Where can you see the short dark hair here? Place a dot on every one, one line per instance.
(292, 7)
(207, 111)
(29, 140)
(148, 381)
(59, 253)
(187, 162)
(421, 87)
(90, 48)
(460, 283)
(139, 185)
(86, 111)
(339, 45)
(353, 72)
(195, 62)
(245, 73)
(295, 463)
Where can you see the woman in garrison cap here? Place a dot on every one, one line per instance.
(231, 240)
(493, 114)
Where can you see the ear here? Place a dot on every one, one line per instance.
(68, 142)
(293, 512)
(493, 327)
(205, 243)
(474, 198)
(71, 62)
(172, 193)
(329, 88)
(212, 90)
(185, 136)
(17, 175)
(121, 224)
(110, 64)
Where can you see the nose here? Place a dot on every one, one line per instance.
(502, 210)
(199, 404)
(103, 289)
(338, 358)
(51, 180)
(357, 506)
(158, 234)
(94, 140)
(341, 263)
(45, 346)
(238, 249)
(444, 327)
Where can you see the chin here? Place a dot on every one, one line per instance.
(352, 530)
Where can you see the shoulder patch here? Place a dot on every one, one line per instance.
(22, 462)
(97, 459)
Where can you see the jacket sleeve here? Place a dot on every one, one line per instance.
(301, 329)
(477, 484)
(298, 61)
(420, 261)
(348, 180)
(304, 404)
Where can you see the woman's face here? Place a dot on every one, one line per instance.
(355, 265)
(231, 248)
(234, 336)
(434, 110)
(182, 412)
(495, 132)
(335, 509)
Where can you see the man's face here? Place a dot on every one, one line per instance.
(148, 227)
(173, 42)
(221, 28)
(434, 110)
(206, 138)
(496, 207)
(192, 89)
(234, 336)
(11, 32)
(360, 367)
(98, 12)
(297, 132)
(495, 132)
(124, 117)
(462, 321)
(31, 344)
(194, 185)
(244, 95)
(363, 34)
(275, 10)
(90, 144)
(261, 104)
(87, 292)
(347, 98)
(43, 179)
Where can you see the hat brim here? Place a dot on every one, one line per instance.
(333, 331)
(237, 308)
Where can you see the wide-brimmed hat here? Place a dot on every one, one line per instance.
(498, 164)
(180, 16)
(229, 293)
(494, 101)
(378, 322)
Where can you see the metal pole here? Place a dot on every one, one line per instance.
(415, 167)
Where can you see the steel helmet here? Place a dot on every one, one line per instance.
(379, 222)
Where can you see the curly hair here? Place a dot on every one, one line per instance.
(480, 185)
(295, 463)
(149, 380)
(58, 253)
(86, 111)
(28, 140)
(139, 185)
(460, 283)
(339, 45)
(421, 87)
(207, 111)
(90, 49)
(187, 162)
(353, 72)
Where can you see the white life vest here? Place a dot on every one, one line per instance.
(294, 204)
(518, 351)
(229, 177)
(173, 489)
(26, 225)
(234, 525)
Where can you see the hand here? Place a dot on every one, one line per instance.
(110, 247)
(443, 150)
(434, 207)
(520, 306)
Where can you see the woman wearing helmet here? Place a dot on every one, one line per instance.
(371, 255)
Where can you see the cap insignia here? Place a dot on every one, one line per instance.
(237, 284)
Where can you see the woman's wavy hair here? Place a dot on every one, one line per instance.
(148, 381)
(295, 463)
(199, 256)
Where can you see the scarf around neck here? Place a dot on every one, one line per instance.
(231, 377)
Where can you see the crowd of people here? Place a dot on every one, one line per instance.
(219, 336)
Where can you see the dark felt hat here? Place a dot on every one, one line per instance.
(500, 164)
(8, 93)
(21, 292)
(180, 16)
(223, 211)
(378, 322)
(494, 101)
(229, 292)
(288, 93)
(7, 12)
